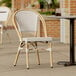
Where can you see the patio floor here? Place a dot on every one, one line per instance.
(8, 51)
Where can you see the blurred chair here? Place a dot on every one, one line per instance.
(28, 22)
(4, 16)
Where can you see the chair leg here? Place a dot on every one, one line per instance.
(16, 59)
(38, 57)
(51, 57)
(17, 55)
(37, 53)
(27, 56)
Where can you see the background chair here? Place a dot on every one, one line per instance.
(4, 16)
(28, 22)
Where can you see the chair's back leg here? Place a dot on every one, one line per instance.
(38, 56)
(51, 56)
(37, 53)
(27, 55)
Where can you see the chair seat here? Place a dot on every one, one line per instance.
(32, 39)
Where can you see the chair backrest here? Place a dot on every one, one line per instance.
(4, 12)
(27, 21)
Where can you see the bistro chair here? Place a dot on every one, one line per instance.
(28, 22)
(4, 16)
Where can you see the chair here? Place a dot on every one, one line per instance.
(4, 16)
(28, 21)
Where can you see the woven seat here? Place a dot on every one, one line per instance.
(32, 39)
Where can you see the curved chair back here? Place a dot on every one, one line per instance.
(28, 21)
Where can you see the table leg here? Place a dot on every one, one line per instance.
(72, 49)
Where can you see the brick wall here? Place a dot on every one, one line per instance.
(73, 12)
(53, 28)
(17, 3)
(73, 7)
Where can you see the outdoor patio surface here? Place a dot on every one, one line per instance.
(8, 51)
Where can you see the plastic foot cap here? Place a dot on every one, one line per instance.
(38, 64)
(51, 66)
(14, 65)
(27, 68)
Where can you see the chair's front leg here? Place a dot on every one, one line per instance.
(51, 56)
(16, 59)
(27, 55)
(17, 55)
